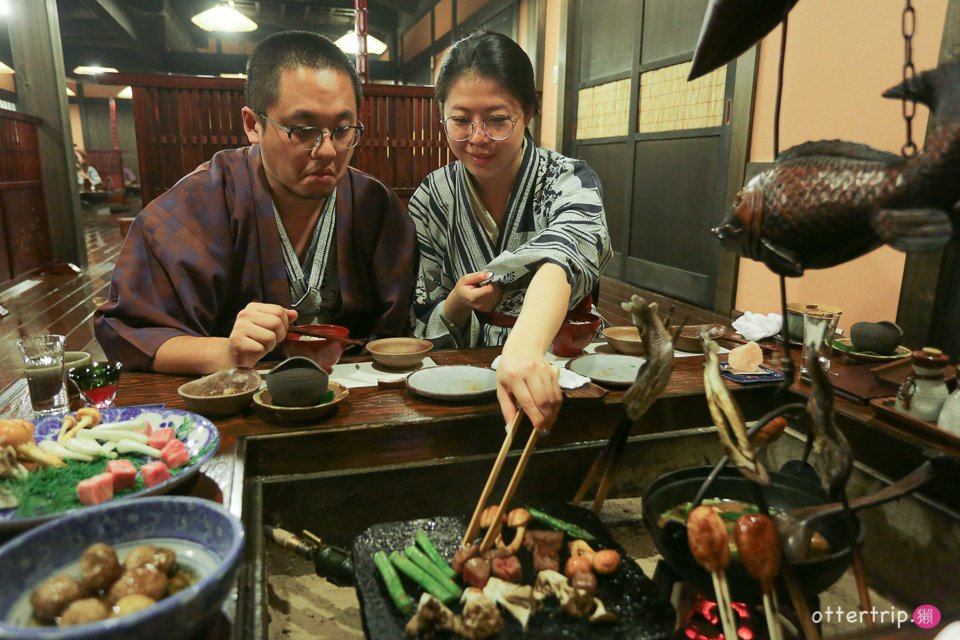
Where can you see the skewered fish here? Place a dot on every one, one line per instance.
(829, 443)
(729, 420)
(655, 373)
(824, 203)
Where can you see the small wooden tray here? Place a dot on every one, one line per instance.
(927, 431)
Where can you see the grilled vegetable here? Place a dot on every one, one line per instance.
(422, 578)
(570, 529)
(392, 581)
(433, 554)
(421, 560)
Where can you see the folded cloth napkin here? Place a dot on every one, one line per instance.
(568, 379)
(755, 326)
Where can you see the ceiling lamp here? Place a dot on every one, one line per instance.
(126, 93)
(71, 93)
(233, 75)
(4, 68)
(4, 7)
(223, 17)
(348, 44)
(93, 70)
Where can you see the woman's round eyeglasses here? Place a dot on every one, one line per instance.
(343, 138)
(459, 129)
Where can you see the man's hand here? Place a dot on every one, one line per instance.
(259, 328)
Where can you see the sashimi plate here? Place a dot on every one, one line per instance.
(200, 436)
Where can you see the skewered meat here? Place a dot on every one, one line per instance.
(160, 557)
(708, 539)
(507, 569)
(53, 596)
(544, 546)
(481, 617)
(476, 572)
(463, 554)
(146, 580)
(99, 567)
(759, 546)
(84, 611)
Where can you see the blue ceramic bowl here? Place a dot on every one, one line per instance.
(205, 536)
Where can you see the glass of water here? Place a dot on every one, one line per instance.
(43, 368)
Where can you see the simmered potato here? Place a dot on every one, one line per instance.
(53, 596)
(99, 567)
(147, 581)
(84, 611)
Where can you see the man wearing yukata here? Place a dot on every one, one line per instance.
(214, 271)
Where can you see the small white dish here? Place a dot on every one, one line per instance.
(455, 382)
(607, 368)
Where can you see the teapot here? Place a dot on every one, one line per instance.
(924, 391)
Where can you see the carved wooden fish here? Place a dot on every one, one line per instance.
(824, 203)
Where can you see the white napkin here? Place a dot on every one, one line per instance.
(755, 326)
(568, 379)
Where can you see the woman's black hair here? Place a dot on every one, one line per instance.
(493, 56)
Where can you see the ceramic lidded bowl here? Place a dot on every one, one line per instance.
(223, 393)
(206, 538)
(575, 334)
(297, 382)
(881, 338)
(689, 338)
(323, 351)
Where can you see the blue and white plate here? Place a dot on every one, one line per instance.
(765, 374)
(199, 435)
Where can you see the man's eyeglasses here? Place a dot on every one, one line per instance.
(343, 138)
(459, 129)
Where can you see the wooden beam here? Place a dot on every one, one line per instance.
(38, 59)
(113, 12)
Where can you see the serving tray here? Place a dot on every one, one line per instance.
(644, 613)
(928, 431)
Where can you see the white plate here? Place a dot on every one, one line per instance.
(606, 368)
(456, 382)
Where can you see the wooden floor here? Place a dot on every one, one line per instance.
(62, 301)
(59, 300)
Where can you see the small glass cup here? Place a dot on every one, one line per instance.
(43, 368)
(818, 331)
(97, 382)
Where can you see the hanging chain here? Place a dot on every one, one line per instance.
(908, 26)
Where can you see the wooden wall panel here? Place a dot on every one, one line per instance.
(609, 30)
(182, 121)
(25, 242)
(611, 161)
(668, 30)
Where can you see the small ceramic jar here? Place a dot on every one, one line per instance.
(924, 391)
(949, 419)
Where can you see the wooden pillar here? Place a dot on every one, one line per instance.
(38, 59)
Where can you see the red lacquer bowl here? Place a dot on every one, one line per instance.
(324, 352)
(575, 334)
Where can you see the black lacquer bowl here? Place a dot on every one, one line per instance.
(644, 613)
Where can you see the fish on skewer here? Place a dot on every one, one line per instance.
(728, 418)
(829, 443)
(710, 547)
(652, 379)
(758, 543)
(826, 202)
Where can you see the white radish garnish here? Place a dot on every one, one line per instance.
(115, 436)
(84, 446)
(59, 450)
(127, 425)
(130, 446)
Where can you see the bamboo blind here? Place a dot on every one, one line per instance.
(669, 103)
(603, 111)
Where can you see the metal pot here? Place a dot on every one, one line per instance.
(784, 492)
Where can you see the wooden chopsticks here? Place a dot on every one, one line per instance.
(494, 529)
(321, 334)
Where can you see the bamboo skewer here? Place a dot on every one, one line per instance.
(709, 545)
(474, 525)
(494, 529)
(722, 590)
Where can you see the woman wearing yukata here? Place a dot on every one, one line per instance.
(512, 237)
